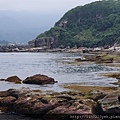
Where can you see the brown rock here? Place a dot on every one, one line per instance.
(96, 95)
(32, 106)
(7, 101)
(111, 103)
(14, 79)
(105, 60)
(39, 79)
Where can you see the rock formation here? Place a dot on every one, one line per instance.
(39, 79)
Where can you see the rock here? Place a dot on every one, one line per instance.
(105, 60)
(99, 58)
(97, 109)
(2, 79)
(65, 97)
(6, 103)
(113, 75)
(32, 106)
(49, 42)
(71, 108)
(96, 95)
(44, 105)
(110, 102)
(39, 79)
(113, 110)
(80, 59)
(14, 79)
(3, 94)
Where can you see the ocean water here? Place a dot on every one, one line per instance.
(54, 65)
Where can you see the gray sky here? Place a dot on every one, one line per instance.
(42, 5)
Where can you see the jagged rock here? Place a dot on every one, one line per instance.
(39, 79)
(7, 101)
(113, 110)
(97, 109)
(49, 42)
(110, 103)
(96, 95)
(71, 107)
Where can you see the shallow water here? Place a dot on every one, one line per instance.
(54, 65)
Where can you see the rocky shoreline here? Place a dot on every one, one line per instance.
(78, 100)
(35, 104)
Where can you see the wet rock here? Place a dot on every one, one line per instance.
(39, 79)
(99, 58)
(65, 97)
(3, 94)
(113, 75)
(97, 109)
(7, 101)
(113, 110)
(32, 106)
(110, 102)
(71, 108)
(90, 58)
(14, 79)
(96, 95)
(80, 59)
(105, 60)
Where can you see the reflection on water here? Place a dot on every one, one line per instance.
(53, 65)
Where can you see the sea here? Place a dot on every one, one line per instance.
(60, 66)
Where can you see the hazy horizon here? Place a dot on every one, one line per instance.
(37, 15)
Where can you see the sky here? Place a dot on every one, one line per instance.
(43, 6)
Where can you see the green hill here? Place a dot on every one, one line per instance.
(91, 25)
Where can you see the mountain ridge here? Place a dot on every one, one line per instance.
(91, 25)
(22, 26)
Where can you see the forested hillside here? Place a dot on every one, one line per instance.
(91, 25)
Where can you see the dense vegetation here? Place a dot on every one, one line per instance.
(91, 25)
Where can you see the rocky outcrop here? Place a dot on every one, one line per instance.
(49, 42)
(96, 58)
(59, 105)
(38, 104)
(111, 103)
(14, 79)
(39, 79)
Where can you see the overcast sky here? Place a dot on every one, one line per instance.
(42, 5)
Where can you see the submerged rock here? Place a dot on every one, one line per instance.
(99, 58)
(39, 79)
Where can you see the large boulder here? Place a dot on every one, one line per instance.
(39, 79)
